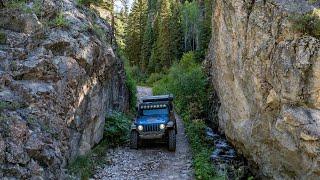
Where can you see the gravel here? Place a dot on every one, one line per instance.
(151, 161)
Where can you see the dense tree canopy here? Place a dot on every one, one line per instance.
(159, 31)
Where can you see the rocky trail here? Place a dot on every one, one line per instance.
(152, 161)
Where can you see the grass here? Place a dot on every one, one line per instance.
(116, 133)
(83, 166)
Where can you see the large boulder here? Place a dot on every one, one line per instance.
(59, 78)
(267, 79)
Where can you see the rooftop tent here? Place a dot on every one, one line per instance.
(157, 98)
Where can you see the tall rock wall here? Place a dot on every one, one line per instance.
(267, 79)
(59, 78)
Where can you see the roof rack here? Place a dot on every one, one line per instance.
(168, 97)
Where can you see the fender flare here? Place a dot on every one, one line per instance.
(170, 124)
(133, 127)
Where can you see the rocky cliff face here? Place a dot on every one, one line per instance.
(59, 78)
(267, 78)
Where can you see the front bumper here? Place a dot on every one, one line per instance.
(152, 135)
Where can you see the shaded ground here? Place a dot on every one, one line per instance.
(152, 161)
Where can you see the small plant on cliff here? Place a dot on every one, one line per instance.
(60, 21)
(10, 105)
(100, 33)
(308, 24)
(3, 38)
(87, 2)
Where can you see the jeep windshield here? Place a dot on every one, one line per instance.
(152, 112)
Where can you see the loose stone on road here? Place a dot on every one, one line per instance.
(152, 161)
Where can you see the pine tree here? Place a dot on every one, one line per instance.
(135, 31)
(164, 58)
(148, 41)
(176, 31)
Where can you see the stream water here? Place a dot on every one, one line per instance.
(225, 158)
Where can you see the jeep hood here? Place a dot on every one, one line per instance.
(155, 119)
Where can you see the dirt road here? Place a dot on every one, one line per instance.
(152, 161)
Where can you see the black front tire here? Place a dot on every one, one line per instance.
(134, 140)
(172, 140)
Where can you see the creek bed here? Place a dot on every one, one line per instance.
(225, 158)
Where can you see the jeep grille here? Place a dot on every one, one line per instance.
(151, 127)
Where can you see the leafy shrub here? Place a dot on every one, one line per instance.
(116, 129)
(136, 74)
(187, 82)
(308, 24)
(154, 77)
(201, 150)
(60, 21)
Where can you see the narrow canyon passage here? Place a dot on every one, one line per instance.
(152, 161)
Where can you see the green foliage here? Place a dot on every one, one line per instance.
(201, 150)
(135, 31)
(81, 166)
(117, 128)
(190, 19)
(60, 21)
(187, 82)
(100, 33)
(154, 77)
(84, 166)
(87, 2)
(136, 74)
(308, 24)
(10, 105)
(3, 38)
(312, 1)
(16, 4)
(36, 6)
(158, 32)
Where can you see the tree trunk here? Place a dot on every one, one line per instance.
(112, 22)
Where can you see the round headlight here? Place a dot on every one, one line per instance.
(162, 126)
(140, 127)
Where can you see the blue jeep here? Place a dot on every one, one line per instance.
(155, 120)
